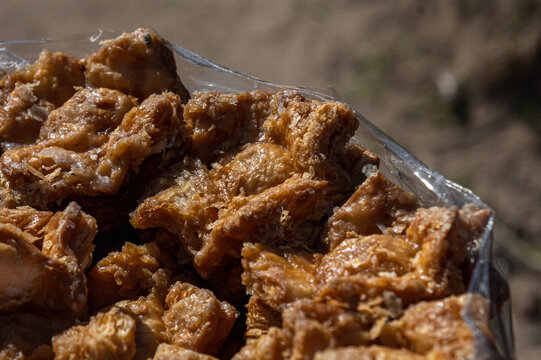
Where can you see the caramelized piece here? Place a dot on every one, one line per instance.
(29, 94)
(424, 265)
(172, 352)
(86, 120)
(27, 219)
(373, 352)
(314, 132)
(132, 272)
(218, 122)
(150, 329)
(196, 319)
(374, 255)
(283, 214)
(51, 279)
(260, 318)
(21, 116)
(40, 175)
(139, 63)
(278, 277)
(184, 209)
(53, 77)
(109, 335)
(376, 206)
(438, 328)
(253, 170)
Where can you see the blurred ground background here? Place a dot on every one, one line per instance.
(458, 83)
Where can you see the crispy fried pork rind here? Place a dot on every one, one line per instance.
(403, 169)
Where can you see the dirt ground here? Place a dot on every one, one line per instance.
(457, 83)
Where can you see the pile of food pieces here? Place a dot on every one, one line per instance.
(141, 221)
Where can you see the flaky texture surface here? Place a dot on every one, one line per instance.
(28, 95)
(196, 319)
(47, 276)
(376, 206)
(278, 277)
(42, 174)
(135, 271)
(108, 335)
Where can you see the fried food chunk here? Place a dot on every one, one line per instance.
(423, 265)
(438, 328)
(278, 277)
(29, 94)
(21, 117)
(374, 255)
(27, 219)
(373, 352)
(128, 274)
(172, 352)
(284, 214)
(274, 345)
(218, 123)
(53, 77)
(139, 63)
(40, 175)
(109, 335)
(150, 329)
(86, 120)
(195, 319)
(314, 132)
(51, 278)
(376, 206)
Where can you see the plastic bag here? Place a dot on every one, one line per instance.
(431, 188)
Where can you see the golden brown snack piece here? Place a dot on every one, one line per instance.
(438, 329)
(423, 265)
(29, 94)
(284, 214)
(278, 277)
(28, 220)
(108, 335)
(128, 274)
(376, 206)
(51, 278)
(374, 255)
(139, 63)
(21, 116)
(196, 319)
(53, 77)
(314, 132)
(172, 352)
(40, 175)
(373, 352)
(219, 122)
(150, 329)
(86, 120)
(260, 318)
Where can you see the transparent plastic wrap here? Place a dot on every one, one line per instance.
(431, 188)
